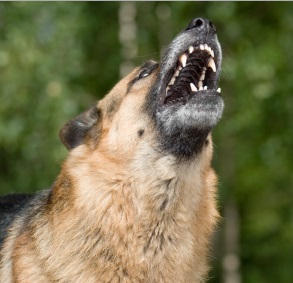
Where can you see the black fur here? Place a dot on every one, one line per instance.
(11, 206)
(140, 132)
(183, 143)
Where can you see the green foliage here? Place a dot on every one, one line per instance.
(257, 129)
(58, 58)
(51, 67)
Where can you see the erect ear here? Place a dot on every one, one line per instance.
(83, 127)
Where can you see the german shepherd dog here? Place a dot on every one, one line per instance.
(135, 199)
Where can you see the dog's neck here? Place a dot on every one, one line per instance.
(146, 191)
(146, 208)
(155, 181)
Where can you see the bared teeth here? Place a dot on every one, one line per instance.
(205, 47)
(193, 87)
(190, 49)
(182, 64)
(183, 59)
(212, 64)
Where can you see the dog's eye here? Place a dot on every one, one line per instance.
(143, 74)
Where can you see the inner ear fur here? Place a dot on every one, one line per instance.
(81, 128)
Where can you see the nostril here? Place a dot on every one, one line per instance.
(198, 23)
(202, 25)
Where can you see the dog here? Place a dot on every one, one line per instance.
(135, 200)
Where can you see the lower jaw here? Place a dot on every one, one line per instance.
(202, 111)
(185, 94)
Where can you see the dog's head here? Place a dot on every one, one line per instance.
(172, 105)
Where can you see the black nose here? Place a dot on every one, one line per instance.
(202, 25)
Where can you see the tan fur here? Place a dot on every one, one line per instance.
(120, 211)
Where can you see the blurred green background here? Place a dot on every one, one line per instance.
(58, 58)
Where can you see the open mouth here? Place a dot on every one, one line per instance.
(186, 98)
(193, 74)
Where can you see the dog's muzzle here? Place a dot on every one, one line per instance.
(186, 99)
(188, 81)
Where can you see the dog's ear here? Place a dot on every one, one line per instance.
(84, 126)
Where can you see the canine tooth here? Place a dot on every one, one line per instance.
(212, 64)
(190, 49)
(193, 87)
(205, 87)
(200, 85)
(219, 90)
(212, 53)
(183, 59)
(200, 88)
(201, 47)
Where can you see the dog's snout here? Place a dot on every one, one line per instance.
(202, 25)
